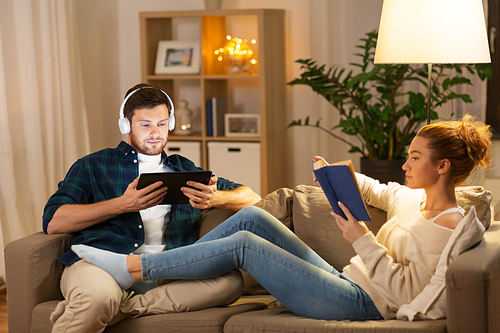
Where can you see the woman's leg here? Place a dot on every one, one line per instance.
(304, 288)
(290, 271)
(266, 226)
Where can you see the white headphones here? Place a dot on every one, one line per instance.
(124, 123)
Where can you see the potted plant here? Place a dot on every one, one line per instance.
(374, 106)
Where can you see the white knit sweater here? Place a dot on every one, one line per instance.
(396, 265)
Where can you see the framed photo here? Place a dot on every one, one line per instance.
(238, 124)
(177, 57)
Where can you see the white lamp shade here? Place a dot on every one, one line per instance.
(432, 32)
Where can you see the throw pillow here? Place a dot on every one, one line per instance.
(475, 196)
(279, 204)
(431, 302)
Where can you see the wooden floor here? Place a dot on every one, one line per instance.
(3, 312)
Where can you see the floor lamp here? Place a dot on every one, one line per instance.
(432, 32)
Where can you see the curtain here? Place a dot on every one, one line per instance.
(43, 124)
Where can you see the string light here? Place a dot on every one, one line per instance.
(237, 53)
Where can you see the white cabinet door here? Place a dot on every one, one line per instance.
(236, 161)
(189, 149)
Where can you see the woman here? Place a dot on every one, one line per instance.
(388, 271)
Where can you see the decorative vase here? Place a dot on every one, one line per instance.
(384, 170)
(183, 119)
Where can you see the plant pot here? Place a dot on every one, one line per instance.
(384, 170)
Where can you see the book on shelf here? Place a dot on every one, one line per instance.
(339, 183)
(215, 111)
(209, 117)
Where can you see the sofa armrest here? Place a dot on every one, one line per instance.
(33, 275)
(473, 286)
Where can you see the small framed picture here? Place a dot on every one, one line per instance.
(177, 57)
(239, 124)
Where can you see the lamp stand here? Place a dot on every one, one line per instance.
(429, 91)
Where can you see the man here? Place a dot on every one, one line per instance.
(99, 203)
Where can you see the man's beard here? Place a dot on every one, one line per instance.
(143, 148)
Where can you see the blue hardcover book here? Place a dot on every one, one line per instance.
(218, 114)
(338, 181)
(209, 117)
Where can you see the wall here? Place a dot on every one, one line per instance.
(110, 49)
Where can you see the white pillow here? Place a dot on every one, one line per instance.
(431, 302)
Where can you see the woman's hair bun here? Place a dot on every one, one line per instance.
(477, 138)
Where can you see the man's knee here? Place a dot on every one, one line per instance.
(90, 310)
(92, 298)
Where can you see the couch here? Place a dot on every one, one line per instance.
(472, 280)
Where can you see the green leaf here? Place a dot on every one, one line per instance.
(375, 105)
(446, 83)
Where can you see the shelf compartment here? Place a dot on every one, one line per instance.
(261, 92)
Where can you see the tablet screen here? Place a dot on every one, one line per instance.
(174, 181)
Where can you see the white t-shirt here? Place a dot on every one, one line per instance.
(155, 219)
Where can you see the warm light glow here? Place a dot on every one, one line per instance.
(432, 31)
(238, 54)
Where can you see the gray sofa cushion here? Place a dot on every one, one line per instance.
(313, 224)
(280, 319)
(208, 320)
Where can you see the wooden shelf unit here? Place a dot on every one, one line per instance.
(269, 80)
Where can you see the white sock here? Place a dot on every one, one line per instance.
(113, 263)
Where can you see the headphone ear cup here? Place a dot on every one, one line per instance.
(171, 122)
(124, 125)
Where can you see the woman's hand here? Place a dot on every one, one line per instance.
(352, 229)
(318, 163)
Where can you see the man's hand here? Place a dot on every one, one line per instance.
(75, 217)
(134, 200)
(352, 229)
(202, 196)
(208, 196)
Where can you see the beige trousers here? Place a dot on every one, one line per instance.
(93, 300)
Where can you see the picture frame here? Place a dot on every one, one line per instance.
(177, 57)
(239, 124)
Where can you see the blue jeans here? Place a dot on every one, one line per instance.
(258, 243)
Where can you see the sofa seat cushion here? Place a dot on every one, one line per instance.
(280, 319)
(208, 320)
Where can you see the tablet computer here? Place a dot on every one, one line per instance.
(174, 181)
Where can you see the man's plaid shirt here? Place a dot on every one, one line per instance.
(105, 175)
